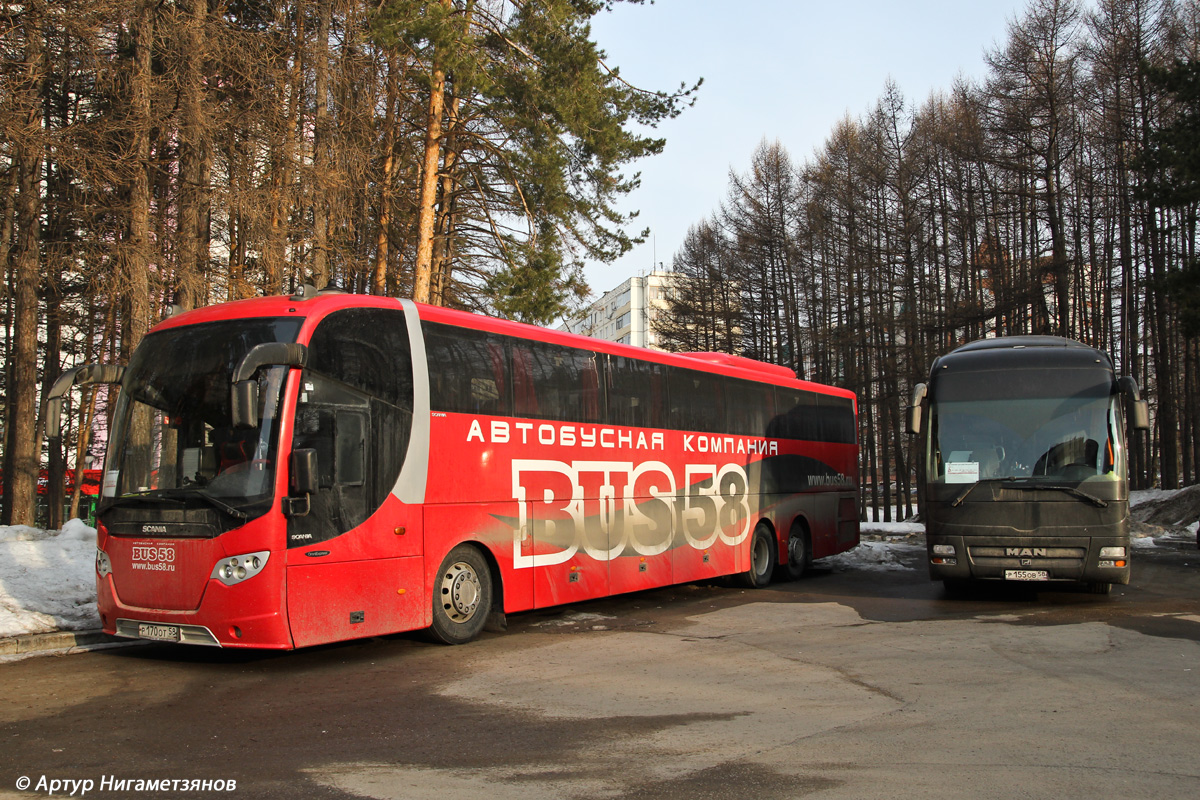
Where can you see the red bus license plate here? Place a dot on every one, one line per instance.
(160, 633)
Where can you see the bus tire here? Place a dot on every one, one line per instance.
(956, 588)
(799, 553)
(462, 596)
(1099, 587)
(762, 559)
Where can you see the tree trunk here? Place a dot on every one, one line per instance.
(380, 273)
(56, 462)
(427, 210)
(443, 260)
(191, 245)
(137, 257)
(21, 446)
(321, 155)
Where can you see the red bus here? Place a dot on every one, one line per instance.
(290, 471)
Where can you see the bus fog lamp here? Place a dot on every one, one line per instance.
(103, 563)
(1112, 552)
(943, 549)
(236, 569)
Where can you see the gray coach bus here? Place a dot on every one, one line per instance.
(1023, 463)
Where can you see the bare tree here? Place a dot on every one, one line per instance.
(22, 460)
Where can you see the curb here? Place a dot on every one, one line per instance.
(27, 643)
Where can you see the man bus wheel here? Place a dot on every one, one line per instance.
(956, 588)
(799, 553)
(462, 596)
(762, 559)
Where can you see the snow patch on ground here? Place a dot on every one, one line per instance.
(882, 556)
(47, 579)
(892, 529)
(881, 547)
(578, 618)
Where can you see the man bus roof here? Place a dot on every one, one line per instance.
(1022, 351)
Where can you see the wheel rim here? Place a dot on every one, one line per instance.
(762, 555)
(461, 590)
(796, 551)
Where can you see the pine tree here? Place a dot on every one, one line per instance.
(1172, 173)
(526, 132)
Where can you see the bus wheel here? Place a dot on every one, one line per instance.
(798, 553)
(956, 587)
(462, 596)
(762, 559)
(1099, 587)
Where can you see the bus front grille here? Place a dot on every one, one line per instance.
(1018, 557)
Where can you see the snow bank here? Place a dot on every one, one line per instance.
(892, 529)
(47, 579)
(879, 556)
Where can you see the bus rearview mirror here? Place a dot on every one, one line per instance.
(915, 407)
(244, 410)
(1139, 413)
(304, 471)
(302, 483)
(1139, 409)
(79, 376)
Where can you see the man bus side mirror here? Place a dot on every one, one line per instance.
(915, 407)
(1140, 413)
(1139, 409)
(302, 480)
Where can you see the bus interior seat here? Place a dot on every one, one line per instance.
(1074, 458)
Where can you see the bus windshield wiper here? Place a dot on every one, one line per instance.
(177, 497)
(957, 501)
(152, 496)
(1026, 486)
(211, 499)
(1071, 490)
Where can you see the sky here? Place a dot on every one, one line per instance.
(786, 70)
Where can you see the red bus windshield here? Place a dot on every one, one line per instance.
(174, 442)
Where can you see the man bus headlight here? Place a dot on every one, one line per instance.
(944, 554)
(1112, 557)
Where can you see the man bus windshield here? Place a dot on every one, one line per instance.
(1037, 424)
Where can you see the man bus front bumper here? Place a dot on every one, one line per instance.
(1029, 558)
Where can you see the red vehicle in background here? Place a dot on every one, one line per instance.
(89, 493)
(290, 471)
